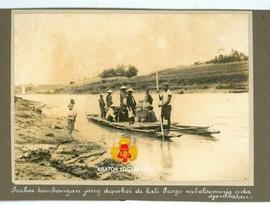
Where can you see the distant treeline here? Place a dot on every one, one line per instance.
(120, 71)
(234, 56)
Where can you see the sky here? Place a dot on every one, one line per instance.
(59, 47)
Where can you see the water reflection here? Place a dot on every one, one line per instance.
(166, 159)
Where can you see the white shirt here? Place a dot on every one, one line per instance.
(71, 114)
(110, 113)
(165, 96)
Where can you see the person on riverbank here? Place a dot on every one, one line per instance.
(72, 115)
(131, 106)
(102, 106)
(109, 100)
(71, 103)
(165, 97)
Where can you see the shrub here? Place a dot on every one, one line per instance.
(234, 56)
(120, 71)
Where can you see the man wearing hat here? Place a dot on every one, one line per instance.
(123, 114)
(131, 106)
(166, 107)
(109, 100)
(123, 95)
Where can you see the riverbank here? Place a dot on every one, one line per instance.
(43, 150)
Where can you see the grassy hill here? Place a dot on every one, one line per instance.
(231, 77)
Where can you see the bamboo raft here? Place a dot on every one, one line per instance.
(153, 128)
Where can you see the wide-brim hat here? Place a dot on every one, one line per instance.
(123, 87)
(165, 84)
(109, 91)
(130, 90)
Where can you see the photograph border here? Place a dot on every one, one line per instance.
(260, 190)
(249, 182)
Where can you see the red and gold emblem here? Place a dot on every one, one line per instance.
(124, 152)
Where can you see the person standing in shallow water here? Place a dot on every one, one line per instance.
(166, 107)
(102, 106)
(72, 102)
(72, 115)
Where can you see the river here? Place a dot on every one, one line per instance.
(222, 158)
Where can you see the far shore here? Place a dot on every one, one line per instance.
(177, 92)
(203, 78)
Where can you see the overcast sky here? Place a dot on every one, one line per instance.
(61, 47)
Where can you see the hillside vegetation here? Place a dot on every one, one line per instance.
(232, 77)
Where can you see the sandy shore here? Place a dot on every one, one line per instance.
(43, 150)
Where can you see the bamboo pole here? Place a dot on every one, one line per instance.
(161, 122)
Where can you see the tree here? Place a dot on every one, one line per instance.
(234, 56)
(107, 73)
(119, 71)
(131, 71)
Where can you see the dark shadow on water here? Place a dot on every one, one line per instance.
(132, 134)
(209, 138)
(128, 133)
(201, 137)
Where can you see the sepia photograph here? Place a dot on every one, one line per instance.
(132, 97)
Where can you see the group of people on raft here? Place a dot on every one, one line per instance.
(129, 109)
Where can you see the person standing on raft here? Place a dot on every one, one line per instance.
(148, 106)
(131, 106)
(123, 96)
(123, 114)
(166, 108)
(102, 106)
(148, 98)
(109, 100)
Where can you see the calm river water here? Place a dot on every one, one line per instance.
(223, 157)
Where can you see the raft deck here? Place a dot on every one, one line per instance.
(153, 128)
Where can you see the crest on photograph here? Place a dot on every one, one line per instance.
(124, 151)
